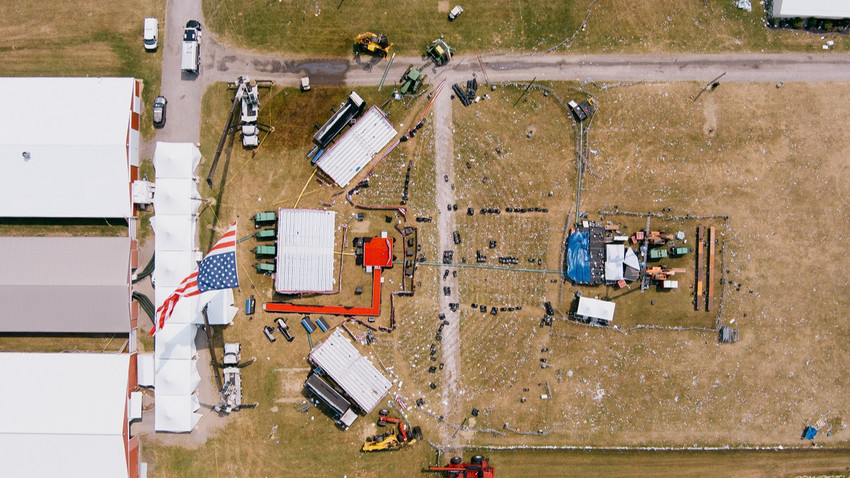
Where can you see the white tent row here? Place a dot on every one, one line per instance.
(175, 369)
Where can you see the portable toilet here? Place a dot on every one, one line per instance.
(322, 324)
(250, 305)
(308, 324)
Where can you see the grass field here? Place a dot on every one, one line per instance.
(82, 38)
(328, 27)
(644, 387)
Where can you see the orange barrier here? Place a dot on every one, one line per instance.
(373, 311)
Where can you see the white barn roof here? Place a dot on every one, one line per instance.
(64, 414)
(351, 371)
(596, 309)
(305, 250)
(811, 8)
(357, 147)
(80, 136)
(65, 284)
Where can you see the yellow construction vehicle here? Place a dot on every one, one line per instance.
(372, 44)
(393, 441)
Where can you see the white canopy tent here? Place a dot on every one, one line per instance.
(357, 377)
(614, 262)
(595, 309)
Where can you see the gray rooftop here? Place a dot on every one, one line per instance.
(65, 284)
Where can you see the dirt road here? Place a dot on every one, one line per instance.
(446, 226)
(183, 90)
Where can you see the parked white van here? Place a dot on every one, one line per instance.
(151, 35)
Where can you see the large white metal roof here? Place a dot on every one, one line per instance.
(64, 414)
(351, 371)
(80, 143)
(811, 8)
(357, 147)
(596, 309)
(87, 278)
(305, 250)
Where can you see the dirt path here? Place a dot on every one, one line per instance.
(446, 226)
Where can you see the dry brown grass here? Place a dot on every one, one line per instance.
(660, 388)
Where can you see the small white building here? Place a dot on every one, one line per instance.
(595, 311)
(833, 9)
(69, 147)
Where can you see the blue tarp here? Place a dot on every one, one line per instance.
(578, 257)
(809, 433)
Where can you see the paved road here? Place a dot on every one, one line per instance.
(183, 90)
(228, 63)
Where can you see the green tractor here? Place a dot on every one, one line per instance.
(411, 80)
(440, 52)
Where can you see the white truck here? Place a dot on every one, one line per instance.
(191, 57)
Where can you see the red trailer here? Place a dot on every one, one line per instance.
(478, 468)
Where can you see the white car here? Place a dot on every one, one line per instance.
(456, 11)
(151, 34)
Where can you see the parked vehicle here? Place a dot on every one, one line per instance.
(283, 327)
(159, 104)
(191, 58)
(269, 333)
(456, 11)
(151, 34)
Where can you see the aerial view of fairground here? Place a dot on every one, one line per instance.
(297, 238)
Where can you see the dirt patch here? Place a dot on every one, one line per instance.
(443, 6)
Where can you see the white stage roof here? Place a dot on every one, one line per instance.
(811, 8)
(351, 371)
(614, 262)
(81, 137)
(357, 147)
(89, 277)
(176, 160)
(64, 414)
(305, 251)
(596, 309)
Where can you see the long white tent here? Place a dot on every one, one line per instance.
(357, 377)
(66, 415)
(69, 147)
(811, 8)
(65, 284)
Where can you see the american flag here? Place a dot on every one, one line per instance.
(216, 271)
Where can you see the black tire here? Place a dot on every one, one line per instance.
(384, 412)
(456, 460)
(477, 460)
